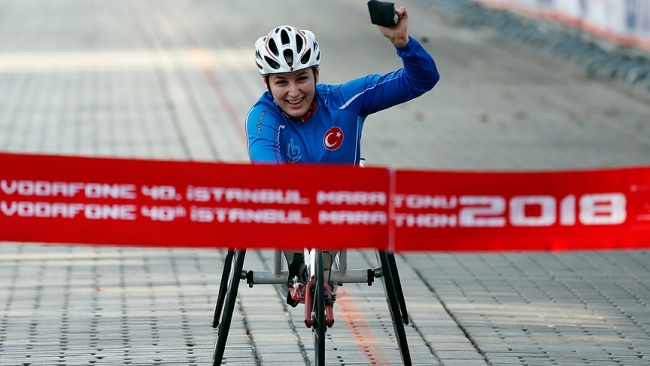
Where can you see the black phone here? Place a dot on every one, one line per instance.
(382, 13)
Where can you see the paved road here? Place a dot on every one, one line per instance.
(175, 79)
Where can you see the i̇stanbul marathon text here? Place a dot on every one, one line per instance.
(139, 202)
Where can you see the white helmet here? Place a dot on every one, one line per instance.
(286, 49)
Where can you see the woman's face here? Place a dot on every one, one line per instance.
(294, 92)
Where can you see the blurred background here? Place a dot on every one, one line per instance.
(525, 85)
(175, 79)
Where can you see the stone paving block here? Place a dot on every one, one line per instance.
(461, 362)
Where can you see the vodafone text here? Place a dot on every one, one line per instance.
(522, 211)
(67, 189)
(68, 210)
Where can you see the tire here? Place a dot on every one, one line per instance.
(398, 288)
(229, 305)
(227, 264)
(318, 313)
(394, 307)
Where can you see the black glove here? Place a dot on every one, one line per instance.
(382, 13)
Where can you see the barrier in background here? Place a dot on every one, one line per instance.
(623, 22)
(189, 204)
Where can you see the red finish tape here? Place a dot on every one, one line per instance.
(62, 199)
(190, 204)
(569, 210)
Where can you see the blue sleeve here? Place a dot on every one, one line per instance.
(262, 132)
(374, 93)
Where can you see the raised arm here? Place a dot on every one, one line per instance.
(397, 35)
(374, 93)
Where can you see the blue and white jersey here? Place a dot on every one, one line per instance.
(332, 134)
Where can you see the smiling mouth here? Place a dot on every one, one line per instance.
(295, 101)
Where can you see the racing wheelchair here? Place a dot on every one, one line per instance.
(310, 279)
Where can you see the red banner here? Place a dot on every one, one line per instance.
(572, 210)
(189, 204)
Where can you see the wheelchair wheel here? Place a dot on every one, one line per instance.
(237, 263)
(227, 264)
(398, 288)
(394, 306)
(318, 312)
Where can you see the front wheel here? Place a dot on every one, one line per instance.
(392, 298)
(318, 312)
(398, 288)
(227, 264)
(229, 305)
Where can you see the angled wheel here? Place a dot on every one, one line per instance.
(237, 263)
(318, 312)
(394, 306)
(398, 287)
(227, 264)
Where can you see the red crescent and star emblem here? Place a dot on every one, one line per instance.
(333, 138)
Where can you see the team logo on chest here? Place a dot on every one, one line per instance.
(333, 138)
(293, 152)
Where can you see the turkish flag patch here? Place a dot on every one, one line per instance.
(333, 138)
